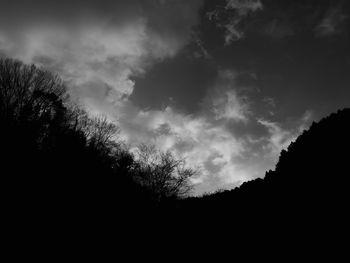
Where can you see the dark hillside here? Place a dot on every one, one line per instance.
(58, 163)
(311, 180)
(62, 168)
(55, 160)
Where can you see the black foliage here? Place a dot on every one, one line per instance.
(58, 162)
(309, 187)
(61, 169)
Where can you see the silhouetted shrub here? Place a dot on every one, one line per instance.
(162, 173)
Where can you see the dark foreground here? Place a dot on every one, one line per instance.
(63, 179)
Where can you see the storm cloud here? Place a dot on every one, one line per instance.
(96, 46)
(231, 92)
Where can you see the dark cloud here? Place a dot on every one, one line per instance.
(96, 45)
(231, 17)
(333, 21)
(277, 29)
(280, 19)
(181, 82)
(227, 90)
(164, 18)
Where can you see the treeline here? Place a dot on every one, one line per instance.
(55, 157)
(308, 190)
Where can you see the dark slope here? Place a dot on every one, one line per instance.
(311, 180)
(56, 163)
(61, 176)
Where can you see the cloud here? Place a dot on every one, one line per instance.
(331, 23)
(269, 102)
(230, 107)
(96, 48)
(224, 158)
(99, 47)
(204, 144)
(278, 137)
(231, 16)
(211, 141)
(243, 7)
(226, 102)
(278, 29)
(201, 51)
(204, 139)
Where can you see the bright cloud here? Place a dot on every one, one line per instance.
(226, 100)
(205, 145)
(224, 159)
(99, 48)
(208, 140)
(230, 107)
(279, 138)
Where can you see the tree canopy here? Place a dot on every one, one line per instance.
(53, 151)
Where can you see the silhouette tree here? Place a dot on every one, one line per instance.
(307, 190)
(53, 154)
(163, 173)
(50, 147)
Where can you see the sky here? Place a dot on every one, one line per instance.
(224, 84)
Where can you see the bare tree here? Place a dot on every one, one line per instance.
(164, 174)
(28, 88)
(103, 131)
(98, 130)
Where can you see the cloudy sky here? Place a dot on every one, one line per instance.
(226, 84)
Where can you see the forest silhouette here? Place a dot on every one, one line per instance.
(59, 163)
(55, 156)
